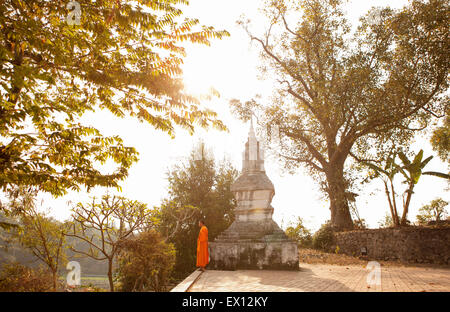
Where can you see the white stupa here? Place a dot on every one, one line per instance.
(254, 240)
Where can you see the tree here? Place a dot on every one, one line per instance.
(198, 189)
(434, 211)
(342, 95)
(145, 262)
(123, 56)
(105, 224)
(440, 140)
(387, 174)
(411, 170)
(39, 233)
(45, 237)
(299, 233)
(172, 218)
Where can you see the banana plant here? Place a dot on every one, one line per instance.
(412, 171)
(387, 174)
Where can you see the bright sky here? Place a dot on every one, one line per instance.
(230, 66)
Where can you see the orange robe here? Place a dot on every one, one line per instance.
(202, 247)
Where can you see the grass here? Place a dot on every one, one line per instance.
(96, 281)
(95, 278)
(91, 283)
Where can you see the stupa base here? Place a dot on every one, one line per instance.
(271, 250)
(254, 255)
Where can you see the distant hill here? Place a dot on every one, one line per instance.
(13, 252)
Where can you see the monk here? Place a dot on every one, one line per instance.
(202, 246)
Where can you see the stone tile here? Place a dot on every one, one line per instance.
(324, 278)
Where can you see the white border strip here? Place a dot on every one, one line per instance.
(187, 282)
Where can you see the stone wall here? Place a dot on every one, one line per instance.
(409, 244)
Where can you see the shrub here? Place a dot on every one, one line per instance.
(145, 263)
(386, 222)
(19, 278)
(300, 234)
(360, 224)
(323, 238)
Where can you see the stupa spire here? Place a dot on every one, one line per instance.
(253, 156)
(251, 131)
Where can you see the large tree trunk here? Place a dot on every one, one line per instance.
(340, 212)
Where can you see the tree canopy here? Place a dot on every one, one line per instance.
(434, 211)
(411, 169)
(343, 94)
(35, 231)
(121, 56)
(440, 139)
(199, 188)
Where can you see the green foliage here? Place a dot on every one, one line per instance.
(45, 238)
(360, 224)
(300, 234)
(19, 278)
(12, 251)
(389, 169)
(16, 243)
(323, 239)
(386, 171)
(412, 170)
(344, 94)
(435, 211)
(198, 188)
(337, 249)
(37, 232)
(124, 57)
(440, 140)
(386, 222)
(145, 262)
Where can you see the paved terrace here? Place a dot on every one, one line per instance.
(320, 278)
